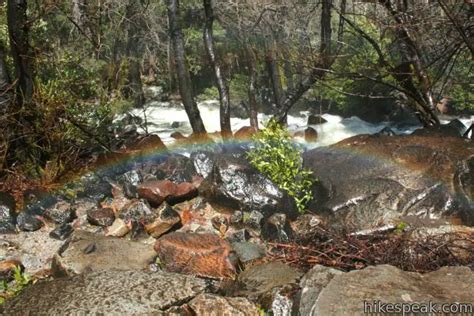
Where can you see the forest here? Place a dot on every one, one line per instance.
(236, 157)
(68, 67)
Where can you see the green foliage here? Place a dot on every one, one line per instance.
(20, 281)
(276, 156)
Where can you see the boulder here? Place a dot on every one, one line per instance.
(455, 128)
(137, 211)
(204, 255)
(309, 135)
(178, 136)
(311, 284)
(147, 143)
(213, 305)
(234, 183)
(105, 293)
(118, 228)
(7, 214)
(156, 192)
(316, 119)
(85, 251)
(247, 251)
(350, 293)
(369, 181)
(245, 133)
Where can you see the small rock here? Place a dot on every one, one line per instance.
(61, 232)
(91, 252)
(175, 124)
(236, 217)
(203, 255)
(167, 218)
(210, 304)
(7, 212)
(61, 212)
(247, 251)
(237, 235)
(118, 229)
(220, 223)
(101, 216)
(305, 225)
(28, 222)
(253, 222)
(277, 228)
(137, 211)
(386, 131)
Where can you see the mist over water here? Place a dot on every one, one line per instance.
(164, 118)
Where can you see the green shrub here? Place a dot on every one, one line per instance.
(278, 158)
(20, 282)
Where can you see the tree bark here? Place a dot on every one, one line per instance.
(134, 53)
(21, 52)
(252, 90)
(275, 77)
(226, 129)
(185, 85)
(5, 105)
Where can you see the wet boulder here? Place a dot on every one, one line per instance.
(156, 192)
(316, 119)
(234, 183)
(176, 168)
(203, 162)
(369, 181)
(7, 214)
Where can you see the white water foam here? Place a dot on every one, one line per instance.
(161, 115)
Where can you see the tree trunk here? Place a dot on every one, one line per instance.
(135, 53)
(275, 76)
(226, 129)
(252, 90)
(319, 70)
(5, 105)
(185, 85)
(20, 48)
(411, 54)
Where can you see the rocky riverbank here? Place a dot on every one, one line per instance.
(208, 234)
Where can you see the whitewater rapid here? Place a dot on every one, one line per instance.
(164, 118)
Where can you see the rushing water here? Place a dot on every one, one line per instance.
(164, 118)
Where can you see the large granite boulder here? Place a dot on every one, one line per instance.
(367, 181)
(85, 251)
(106, 293)
(234, 183)
(374, 287)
